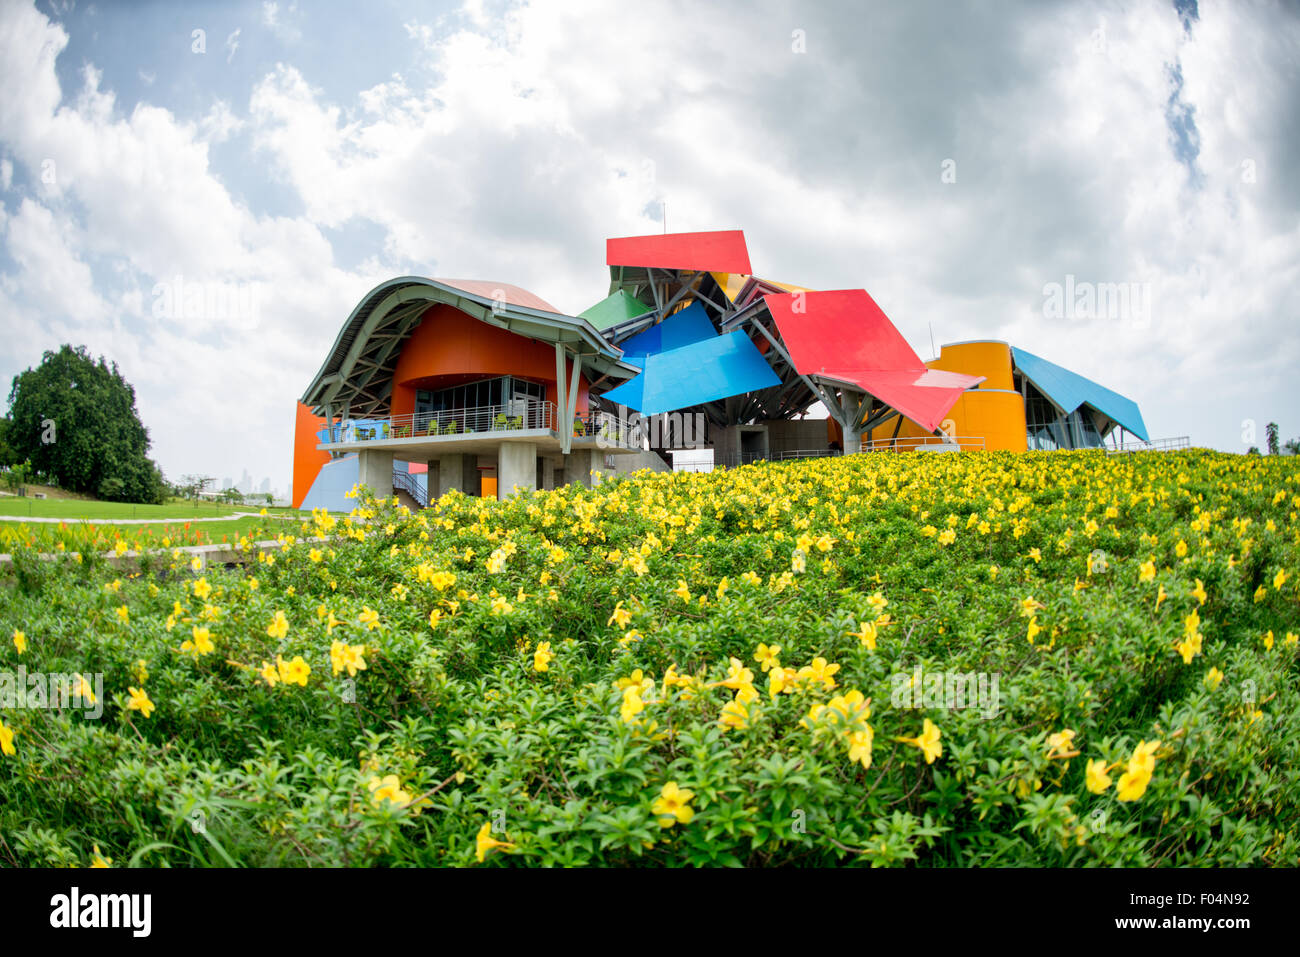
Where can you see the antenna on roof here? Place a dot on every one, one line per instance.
(932, 350)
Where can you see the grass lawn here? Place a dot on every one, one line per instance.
(74, 509)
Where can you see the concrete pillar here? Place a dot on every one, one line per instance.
(449, 472)
(516, 468)
(579, 464)
(375, 469)
(548, 472)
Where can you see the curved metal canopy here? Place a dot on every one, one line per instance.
(358, 372)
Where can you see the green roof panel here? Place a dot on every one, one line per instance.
(614, 309)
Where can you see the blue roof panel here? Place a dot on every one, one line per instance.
(1069, 390)
(680, 329)
(701, 371)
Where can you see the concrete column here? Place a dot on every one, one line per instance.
(516, 468)
(449, 472)
(548, 473)
(375, 469)
(579, 464)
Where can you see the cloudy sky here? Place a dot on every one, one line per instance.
(956, 161)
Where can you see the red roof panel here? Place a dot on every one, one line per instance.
(722, 250)
(843, 335)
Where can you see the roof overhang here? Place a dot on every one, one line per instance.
(359, 369)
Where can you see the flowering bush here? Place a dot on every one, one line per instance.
(695, 668)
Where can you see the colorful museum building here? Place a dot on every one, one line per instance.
(440, 384)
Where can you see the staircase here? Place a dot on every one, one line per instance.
(409, 491)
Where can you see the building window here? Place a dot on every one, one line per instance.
(485, 393)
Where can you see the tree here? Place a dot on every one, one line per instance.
(192, 486)
(8, 456)
(1270, 431)
(75, 419)
(1291, 447)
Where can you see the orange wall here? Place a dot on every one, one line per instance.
(307, 459)
(989, 359)
(447, 342)
(994, 411)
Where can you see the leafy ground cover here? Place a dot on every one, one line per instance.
(736, 667)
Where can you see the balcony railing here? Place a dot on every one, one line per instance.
(518, 416)
(926, 443)
(1154, 445)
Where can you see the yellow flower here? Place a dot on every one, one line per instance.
(947, 536)
(766, 656)
(673, 805)
(202, 643)
(819, 672)
(866, 634)
(1146, 571)
(860, 743)
(1199, 593)
(1029, 605)
(315, 555)
(368, 617)
(196, 563)
(293, 672)
(1160, 597)
(1260, 592)
(388, 788)
(1190, 647)
(1279, 579)
(1061, 745)
(542, 656)
(270, 674)
(632, 704)
(20, 641)
(202, 589)
(798, 561)
(139, 702)
(123, 613)
(927, 741)
(1036, 555)
(1096, 777)
(734, 715)
(1181, 548)
(780, 680)
(1033, 629)
(1213, 677)
(621, 616)
(6, 740)
(1268, 641)
(98, 860)
(484, 842)
(279, 626)
(349, 658)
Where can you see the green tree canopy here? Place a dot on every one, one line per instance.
(75, 418)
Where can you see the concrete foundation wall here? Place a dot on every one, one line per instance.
(796, 435)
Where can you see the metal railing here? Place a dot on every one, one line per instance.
(1154, 445)
(404, 481)
(926, 443)
(520, 415)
